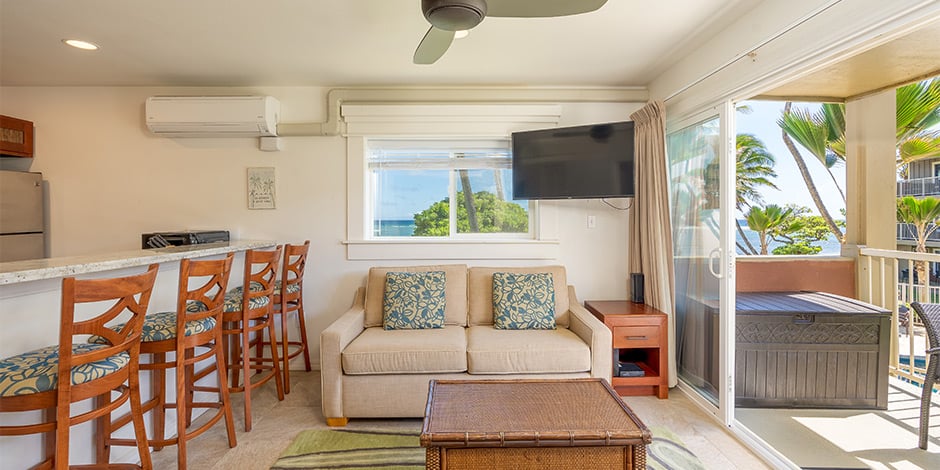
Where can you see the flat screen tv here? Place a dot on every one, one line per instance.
(583, 162)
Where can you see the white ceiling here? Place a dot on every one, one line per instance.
(341, 43)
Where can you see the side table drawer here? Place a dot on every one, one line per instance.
(636, 336)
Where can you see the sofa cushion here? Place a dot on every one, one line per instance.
(523, 301)
(480, 283)
(379, 351)
(492, 351)
(455, 292)
(413, 301)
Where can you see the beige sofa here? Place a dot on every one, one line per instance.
(370, 372)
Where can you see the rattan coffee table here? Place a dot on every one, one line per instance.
(577, 424)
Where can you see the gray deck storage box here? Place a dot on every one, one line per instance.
(810, 350)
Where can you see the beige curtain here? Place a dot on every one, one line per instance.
(650, 227)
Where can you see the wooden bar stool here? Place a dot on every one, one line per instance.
(201, 294)
(54, 377)
(288, 298)
(249, 312)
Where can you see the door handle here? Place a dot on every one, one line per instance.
(715, 253)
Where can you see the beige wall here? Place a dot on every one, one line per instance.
(109, 180)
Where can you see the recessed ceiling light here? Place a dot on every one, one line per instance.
(79, 44)
(461, 34)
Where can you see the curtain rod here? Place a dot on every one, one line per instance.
(753, 49)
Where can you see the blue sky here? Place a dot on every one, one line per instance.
(762, 123)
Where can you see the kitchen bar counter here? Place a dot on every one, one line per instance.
(30, 304)
(50, 268)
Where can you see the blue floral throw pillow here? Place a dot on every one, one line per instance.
(523, 301)
(413, 301)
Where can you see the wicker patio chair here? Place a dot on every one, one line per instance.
(930, 315)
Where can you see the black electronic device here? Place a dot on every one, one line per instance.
(164, 239)
(583, 162)
(629, 369)
(637, 288)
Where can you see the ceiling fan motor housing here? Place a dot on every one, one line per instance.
(454, 15)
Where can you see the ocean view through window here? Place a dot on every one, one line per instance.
(412, 185)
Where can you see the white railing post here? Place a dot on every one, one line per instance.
(906, 292)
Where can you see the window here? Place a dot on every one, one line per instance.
(403, 159)
(412, 184)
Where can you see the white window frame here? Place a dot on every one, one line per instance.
(448, 146)
(442, 122)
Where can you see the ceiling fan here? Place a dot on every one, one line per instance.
(449, 16)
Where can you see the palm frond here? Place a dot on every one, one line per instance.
(808, 130)
(917, 107)
(919, 147)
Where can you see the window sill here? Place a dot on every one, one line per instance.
(410, 249)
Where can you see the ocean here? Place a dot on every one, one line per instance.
(830, 246)
(394, 228)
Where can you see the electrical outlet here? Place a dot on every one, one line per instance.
(591, 221)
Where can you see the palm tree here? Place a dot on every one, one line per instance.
(754, 169)
(804, 126)
(823, 135)
(924, 215)
(765, 221)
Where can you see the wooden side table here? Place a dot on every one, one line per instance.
(639, 336)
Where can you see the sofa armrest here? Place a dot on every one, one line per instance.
(595, 333)
(333, 340)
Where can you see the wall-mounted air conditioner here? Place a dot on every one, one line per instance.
(212, 116)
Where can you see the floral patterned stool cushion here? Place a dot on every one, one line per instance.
(161, 326)
(233, 299)
(38, 371)
(291, 288)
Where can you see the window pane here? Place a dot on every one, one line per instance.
(410, 203)
(490, 208)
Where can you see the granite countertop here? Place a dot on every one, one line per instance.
(50, 268)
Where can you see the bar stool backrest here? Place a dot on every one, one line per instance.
(130, 293)
(208, 296)
(260, 276)
(295, 260)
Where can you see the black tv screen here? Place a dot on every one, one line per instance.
(594, 161)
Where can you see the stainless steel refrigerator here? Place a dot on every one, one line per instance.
(21, 216)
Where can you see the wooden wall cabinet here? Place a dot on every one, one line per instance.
(16, 137)
(639, 336)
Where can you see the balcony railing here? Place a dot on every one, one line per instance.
(908, 339)
(909, 233)
(919, 187)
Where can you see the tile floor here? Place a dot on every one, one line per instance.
(877, 439)
(276, 423)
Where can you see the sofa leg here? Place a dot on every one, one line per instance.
(337, 422)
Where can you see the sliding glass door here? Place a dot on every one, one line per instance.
(697, 150)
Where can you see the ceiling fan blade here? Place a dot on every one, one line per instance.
(433, 46)
(540, 8)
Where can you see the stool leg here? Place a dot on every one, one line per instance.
(62, 432)
(303, 332)
(275, 361)
(103, 431)
(137, 414)
(221, 367)
(48, 438)
(159, 393)
(190, 383)
(246, 369)
(284, 345)
(234, 352)
(182, 409)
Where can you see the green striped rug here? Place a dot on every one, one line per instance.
(350, 449)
